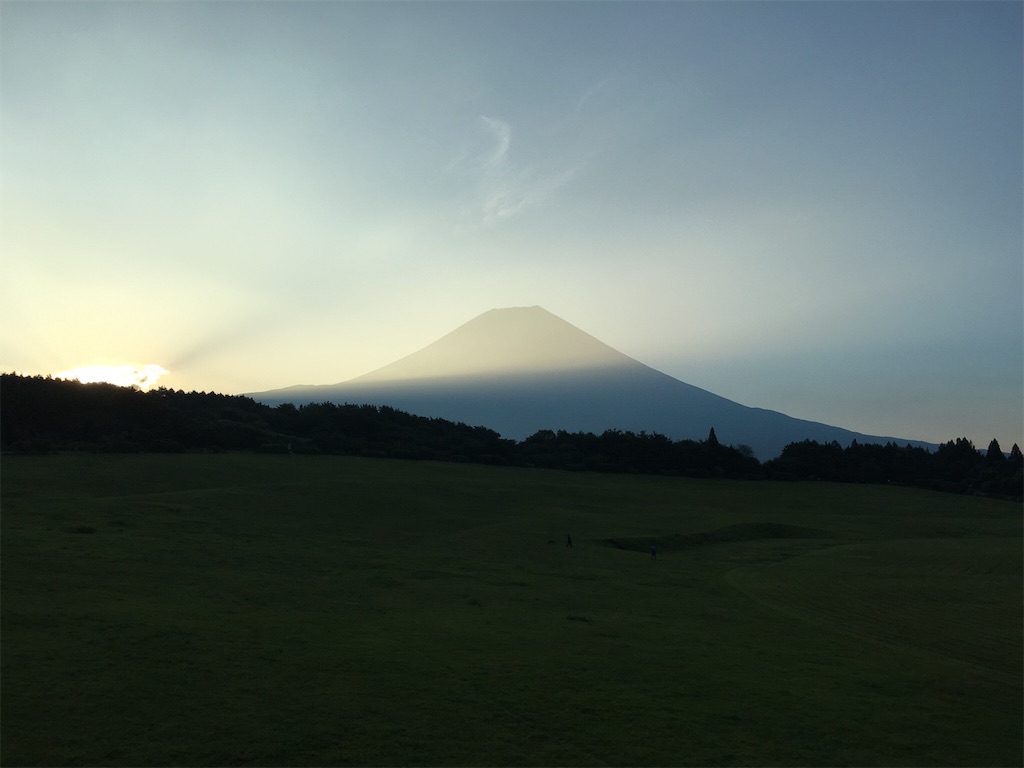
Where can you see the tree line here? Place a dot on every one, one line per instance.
(42, 414)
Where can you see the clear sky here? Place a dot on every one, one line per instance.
(812, 207)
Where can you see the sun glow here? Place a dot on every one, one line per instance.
(142, 376)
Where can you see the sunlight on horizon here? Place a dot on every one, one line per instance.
(144, 377)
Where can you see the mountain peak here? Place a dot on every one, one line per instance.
(518, 370)
(501, 342)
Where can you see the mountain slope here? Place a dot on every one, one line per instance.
(520, 370)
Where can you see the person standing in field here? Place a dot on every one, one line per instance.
(654, 553)
(568, 540)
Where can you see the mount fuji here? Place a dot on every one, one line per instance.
(520, 370)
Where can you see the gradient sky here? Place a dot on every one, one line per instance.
(809, 207)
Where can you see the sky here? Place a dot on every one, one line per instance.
(811, 207)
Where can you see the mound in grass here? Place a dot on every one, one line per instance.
(726, 534)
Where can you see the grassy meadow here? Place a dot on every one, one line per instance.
(284, 610)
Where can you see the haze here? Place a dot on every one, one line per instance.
(810, 207)
(521, 340)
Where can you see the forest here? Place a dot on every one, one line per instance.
(43, 415)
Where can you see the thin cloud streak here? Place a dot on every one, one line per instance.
(589, 94)
(502, 134)
(503, 189)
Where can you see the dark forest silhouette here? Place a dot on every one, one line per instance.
(40, 415)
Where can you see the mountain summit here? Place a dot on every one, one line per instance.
(502, 343)
(523, 369)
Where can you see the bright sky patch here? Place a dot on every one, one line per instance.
(144, 377)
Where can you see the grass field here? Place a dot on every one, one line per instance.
(278, 610)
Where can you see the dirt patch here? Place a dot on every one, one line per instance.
(726, 534)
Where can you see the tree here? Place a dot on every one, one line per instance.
(995, 453)
(712, 437)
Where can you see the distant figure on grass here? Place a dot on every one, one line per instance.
(568, 540)
(654, 554)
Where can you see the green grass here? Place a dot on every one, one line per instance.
(260, 610)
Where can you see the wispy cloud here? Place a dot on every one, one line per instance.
(503, 188)
(589, 94)
(502, 134)
(514, 194)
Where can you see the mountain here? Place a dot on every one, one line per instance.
(523, 369)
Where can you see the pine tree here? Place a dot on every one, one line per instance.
(995, 453)
(1015, 455)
